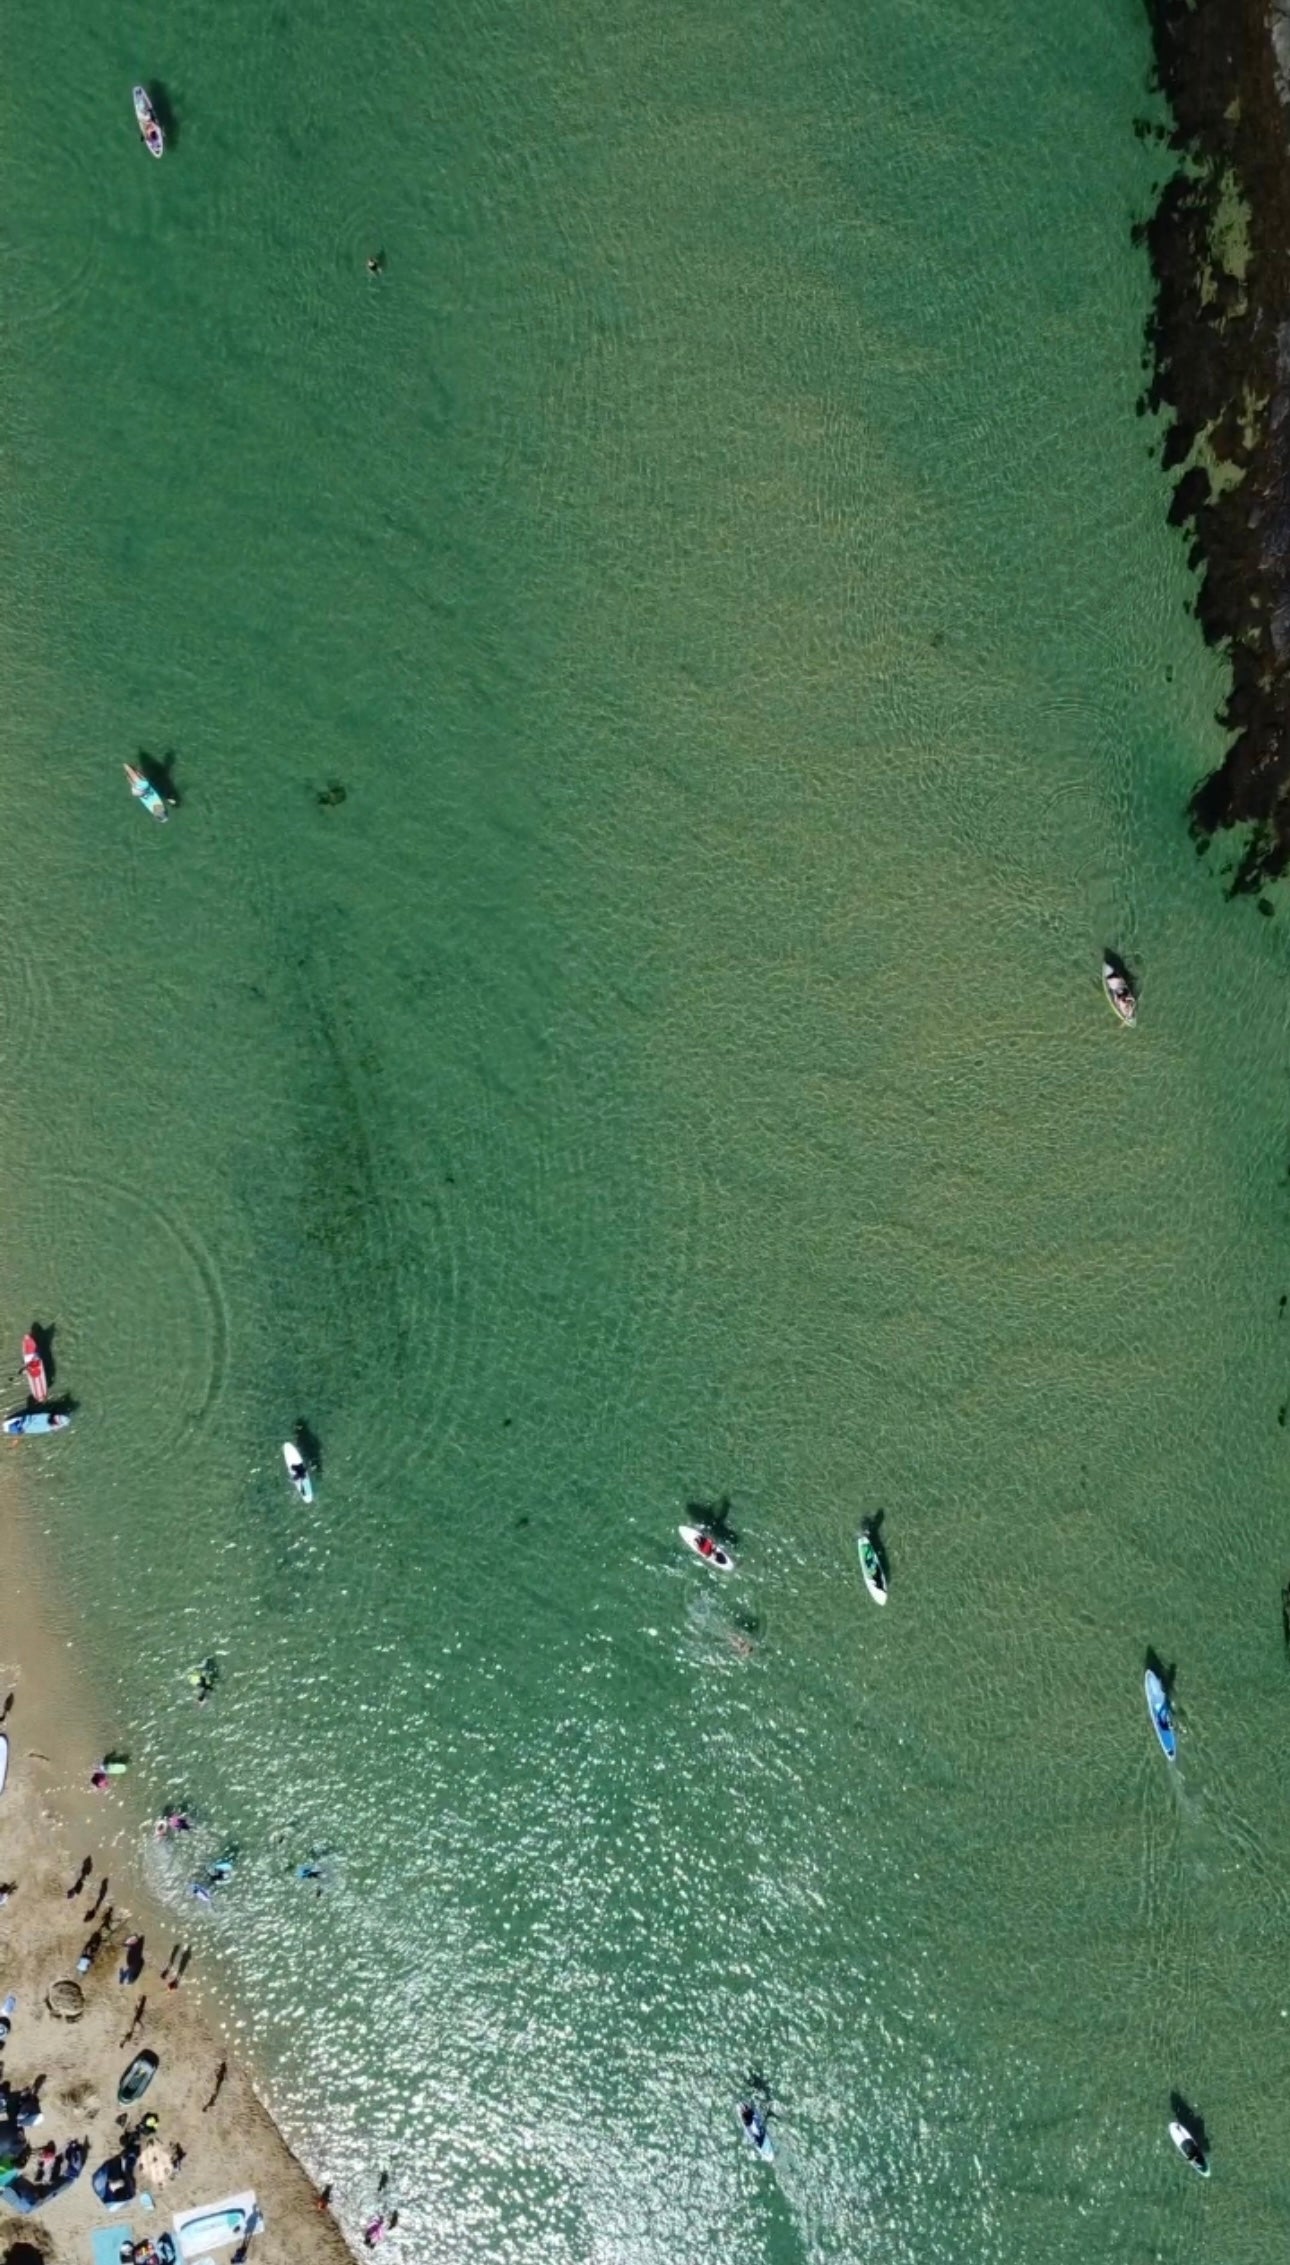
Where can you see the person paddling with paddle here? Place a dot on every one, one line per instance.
(703, 1545)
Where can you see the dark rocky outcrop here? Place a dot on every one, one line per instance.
(1219, 341)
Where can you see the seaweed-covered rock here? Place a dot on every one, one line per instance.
(1219, 340)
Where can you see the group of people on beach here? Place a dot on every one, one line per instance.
(313, 1869)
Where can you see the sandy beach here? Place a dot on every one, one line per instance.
(206, 2107)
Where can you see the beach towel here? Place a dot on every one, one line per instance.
(105, 2245)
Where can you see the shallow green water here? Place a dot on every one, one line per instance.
(719, 561)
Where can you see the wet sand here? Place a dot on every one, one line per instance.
(1219, 245)
(47, 1843)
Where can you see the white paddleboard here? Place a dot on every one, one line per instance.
(4, 1758)
(297, 1470)
(146, 120)
(756, 2134)
(705, 1547)
(1189, 2148)
(1119, 991)
(871, 1567)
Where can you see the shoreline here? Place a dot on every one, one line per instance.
(47, 1834)
(1219, 247)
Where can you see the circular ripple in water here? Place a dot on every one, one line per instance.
(26, 1000)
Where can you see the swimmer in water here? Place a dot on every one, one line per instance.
(216, 1875)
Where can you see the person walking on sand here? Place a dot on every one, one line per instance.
(218, 2086)
(90, 1952)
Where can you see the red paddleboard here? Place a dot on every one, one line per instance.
(33, 1368)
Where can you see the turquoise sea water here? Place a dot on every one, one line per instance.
(720, 563)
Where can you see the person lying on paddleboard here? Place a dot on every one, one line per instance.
(755, 2129)
(216, 1875)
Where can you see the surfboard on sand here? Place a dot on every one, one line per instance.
(137, 2077)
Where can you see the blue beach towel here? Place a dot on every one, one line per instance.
(105, 2245)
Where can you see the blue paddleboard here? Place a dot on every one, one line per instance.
(1159, 1711)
